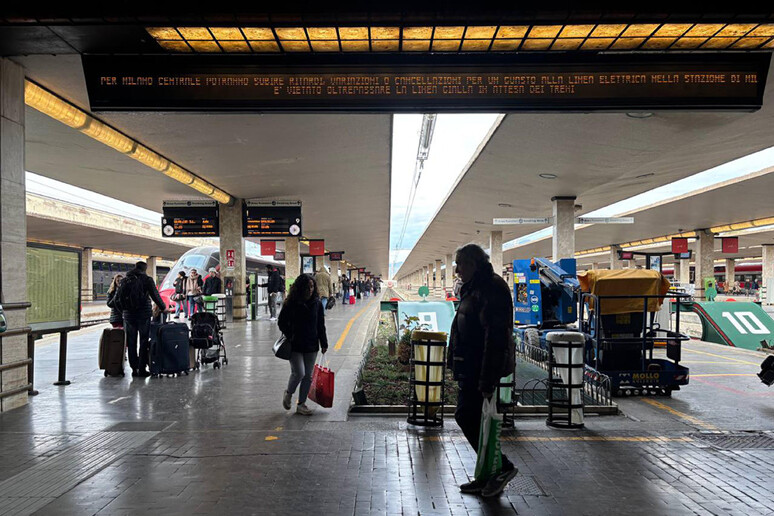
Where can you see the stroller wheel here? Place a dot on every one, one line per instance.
(225, 361)
(106, 374)
(216, 365)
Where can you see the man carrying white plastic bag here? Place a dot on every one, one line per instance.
(481, 352)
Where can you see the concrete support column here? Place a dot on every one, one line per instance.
(685, 271)
(563, 245)
(767, 277)
(335, 274)
(730, 273)
(152, 262)
(292, 261)
(13, 229)
(437, 284)
(424, 276)
(449, 278)
(705, 260)
(231, 239)
(496, 251)
(87, 276)
(615, 262)
(594, 266)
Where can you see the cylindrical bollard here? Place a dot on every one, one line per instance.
(565, 392)
(428, 370)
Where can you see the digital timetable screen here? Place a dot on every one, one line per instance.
(271, 219)
(604, 82)
(190, 219)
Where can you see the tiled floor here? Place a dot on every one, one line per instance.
(220, 443)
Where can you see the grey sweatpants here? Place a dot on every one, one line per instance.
(301, 369)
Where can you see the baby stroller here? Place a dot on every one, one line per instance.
(207, 338)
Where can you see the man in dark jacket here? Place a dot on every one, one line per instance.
(481, 351)
(274, 287)
(134, 299)
(212, 283)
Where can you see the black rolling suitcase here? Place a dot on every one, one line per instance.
(111, 351)
(169, 349)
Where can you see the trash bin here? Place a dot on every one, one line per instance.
(565, 391)
(428, 370)
(216, 304)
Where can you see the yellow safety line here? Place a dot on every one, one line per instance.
(340, 342)
(682, 415)
(701, 362)
(721, 356)
(590, 438)
(722, 374)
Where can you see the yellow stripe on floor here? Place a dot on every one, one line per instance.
(589, 438)
(721, 356)
(682, 415)
(340, 342)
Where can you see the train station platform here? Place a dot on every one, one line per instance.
(219, 442)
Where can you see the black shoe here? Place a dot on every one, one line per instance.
(143, 373)
(473, 487)
(134, 372)
(497, 484)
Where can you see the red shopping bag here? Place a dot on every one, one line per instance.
(321, 391)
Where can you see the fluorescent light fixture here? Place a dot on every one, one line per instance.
(61, 110)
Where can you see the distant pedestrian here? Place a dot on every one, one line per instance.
(134, 299)
(116, 317)
(212, 284)
(345, 290)
(274, 287)
(193, 292)
(179, 296)
(324, 285)
(481, 351)
(302, 320)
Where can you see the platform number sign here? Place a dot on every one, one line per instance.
(746, 322)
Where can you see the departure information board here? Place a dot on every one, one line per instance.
(190, 219)
(437, 83)
(271, 218)
(336, 256)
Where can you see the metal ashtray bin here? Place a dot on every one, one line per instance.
(565, 379)
(428, 370)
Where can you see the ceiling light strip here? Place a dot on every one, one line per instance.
(61, 110)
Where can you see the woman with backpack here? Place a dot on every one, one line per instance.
(116, 317)
(179, 296)
(302, 321)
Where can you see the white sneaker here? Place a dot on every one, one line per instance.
(286, 396)
(302, 409)
(272, 318)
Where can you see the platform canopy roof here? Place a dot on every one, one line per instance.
(600, 158)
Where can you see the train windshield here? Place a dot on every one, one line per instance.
(201, 262)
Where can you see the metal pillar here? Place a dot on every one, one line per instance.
(563, 244)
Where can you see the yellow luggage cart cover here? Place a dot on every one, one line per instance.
(628, 282)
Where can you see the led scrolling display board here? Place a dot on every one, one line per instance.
(439, 83)
(271, 218)
(190, 219)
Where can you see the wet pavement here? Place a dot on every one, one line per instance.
(219, 442)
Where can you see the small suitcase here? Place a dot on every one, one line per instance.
(331, 303)
(169, 353)
(111, 351)
(351, 300)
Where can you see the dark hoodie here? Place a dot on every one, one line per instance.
(304, 325)
(150, 293)
(481, 342)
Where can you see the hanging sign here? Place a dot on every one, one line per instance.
(279, 256)
(317, 247)
(268, 247)
(679, 245)
(335, 256)
(521, 220)
(730, 245)
(190, 219)
(271, 218)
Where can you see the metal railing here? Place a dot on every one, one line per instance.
(25, 362)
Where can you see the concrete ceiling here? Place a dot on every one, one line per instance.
(600, 157)
(740, 200)
(337, 165)
(47, 230)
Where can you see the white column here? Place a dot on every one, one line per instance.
(705, 260)
(730, 273)
(292, 261)
(335, 274)
(449, 278)
(437, 281)
(152, 262)
(767, 277)
(615, 262)
(685, 271)
(87, 276)
(496, 251)
(231, 239)
(563, 245)
(13, 228)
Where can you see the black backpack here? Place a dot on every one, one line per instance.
(131, 295)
